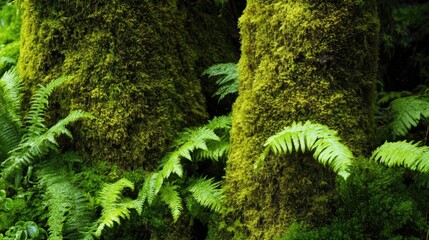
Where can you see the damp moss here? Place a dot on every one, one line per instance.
(132, 67)
(301, 60)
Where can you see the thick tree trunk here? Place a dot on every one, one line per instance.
(132, 66)
(301, 60)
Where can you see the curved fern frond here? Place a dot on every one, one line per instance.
(208, 193)
(407, 113)
(114, 205)
(324, 142)
(171, 197)
(220, 122)
(216, 150)
(227, 78)
(406, 154)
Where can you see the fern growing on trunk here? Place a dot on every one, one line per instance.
(324, 142)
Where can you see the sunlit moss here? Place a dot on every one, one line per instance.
(301, 60)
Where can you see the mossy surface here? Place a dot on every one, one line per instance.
(133, 69)
(301, 60)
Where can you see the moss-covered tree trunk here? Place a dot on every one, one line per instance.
(132, 66)
(301, 60)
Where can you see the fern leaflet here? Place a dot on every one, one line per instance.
(407, 113)
(227, 74)
(406, 154)
(114, 205)
(171, 197)
(208, 194)
(325, 143)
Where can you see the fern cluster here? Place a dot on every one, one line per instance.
(23, 142)
(191, 144)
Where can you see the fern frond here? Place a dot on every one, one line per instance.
(172, 164)
(35, 118)
(324, 142)
(227, 78)
(407, 113)
(171, 197)
(208, 193)
(69, 208)
(114, 205)
(221, 122)
(216, 150)
(10, 113)
(406, 154)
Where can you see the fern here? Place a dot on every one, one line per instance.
(227, 76)
(208, 194)
(114, 205)
(408, 112)
(325, 143)
(37, 140)
(171, 197)
(69, 209)
(10, 113)
(406, 154)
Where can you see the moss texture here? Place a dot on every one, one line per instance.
(133, 69)
(301, 60)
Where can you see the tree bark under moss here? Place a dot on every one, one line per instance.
(133, 67)
(301, 60)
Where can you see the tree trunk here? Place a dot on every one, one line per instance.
(301, 60)
(132, 65)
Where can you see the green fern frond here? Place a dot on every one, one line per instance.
(408, 112)
(406, 154)
(227, 77)
(171, 197)
(114, 205)
(10, 113)
(216, 150)
(69, 211)
(35, 118)
(221, 122)
(324, 142)
(172, 164)
(386, 97)
(208, 193)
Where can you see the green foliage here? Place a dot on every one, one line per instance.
(114, 205)
(36, 139)
(325, 143)
(10, 113)
(227, 78)
(195, 143)
(374, 203)
(23, 231)
(208, 193)
(408, 112)
(406, 154)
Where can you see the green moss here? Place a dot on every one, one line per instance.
(133, 69)
(301, 60)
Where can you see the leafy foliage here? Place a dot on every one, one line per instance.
(201, 140)
(408, 112)
(36, 139)
(114, 205)
(227, 78)
(208, 193)
(405, 154)
(325, 143)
